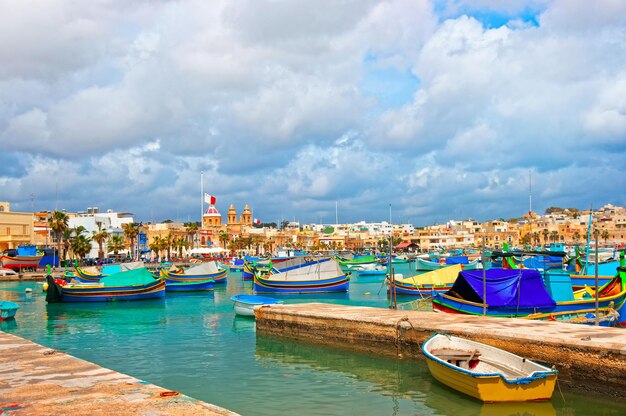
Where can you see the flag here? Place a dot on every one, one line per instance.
(209, 199)
(257, 221)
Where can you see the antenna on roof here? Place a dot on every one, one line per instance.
(530, 192)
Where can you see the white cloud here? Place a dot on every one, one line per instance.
(121, 99)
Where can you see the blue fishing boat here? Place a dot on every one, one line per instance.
(135, 284)
(519, 293)
(189, 286)
(312, 276)
(8, 309)
(427, 265)
(244, 304)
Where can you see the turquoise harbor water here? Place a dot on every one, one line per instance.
(194, 344)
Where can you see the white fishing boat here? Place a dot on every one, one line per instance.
(244, 304)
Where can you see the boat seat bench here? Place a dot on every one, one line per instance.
(449, 354)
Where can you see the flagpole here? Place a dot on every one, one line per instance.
(201, 196)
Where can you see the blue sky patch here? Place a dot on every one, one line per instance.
(490, 18)
(391, 87)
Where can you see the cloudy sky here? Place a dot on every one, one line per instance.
(439, 108)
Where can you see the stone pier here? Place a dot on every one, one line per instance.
(587, 357)
(35, 380)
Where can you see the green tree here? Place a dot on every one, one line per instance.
(68, 235)
(191, 229)
(58, 222)
(81, 246)
(224, 239)
(131, 231)
(605, 236)
(554, 236)
(115, 244)
(545, 233)
(157, 245)
(100, 236)
(168, 242)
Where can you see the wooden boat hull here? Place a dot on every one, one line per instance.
(427, 284)
(219, 277)
(95, 293)
(20, 262)
(408, 290)
(336, 284)
(86, 277)
(425, 265)
(445, 303)
(191, 286)
(246, 272)
(8, 309)
(612, 295)
(492, 387)
(244, 304)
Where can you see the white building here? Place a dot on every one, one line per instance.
(92, 218)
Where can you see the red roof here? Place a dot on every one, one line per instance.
(404, 244)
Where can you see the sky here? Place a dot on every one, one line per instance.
(422, 111)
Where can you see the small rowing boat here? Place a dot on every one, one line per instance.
(487, 373)
(244, 304)
(8, 309)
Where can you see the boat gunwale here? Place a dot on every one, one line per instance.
(517, 381)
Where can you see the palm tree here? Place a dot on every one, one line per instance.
(180, 244)
(156, 245)
(576, 236)
(115, 244)
(224, 239)
(68, 234)
(168, 241)
(58, 221)
(545, 234)
(100, 237)
(554, 236)
(191, 228)
(131, 231)
(81, 246)
(605, 236)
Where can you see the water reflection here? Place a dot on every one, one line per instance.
(397, 379)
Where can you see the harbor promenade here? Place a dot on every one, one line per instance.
(35, 380)
(587, 357)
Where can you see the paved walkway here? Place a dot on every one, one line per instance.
(35, 380)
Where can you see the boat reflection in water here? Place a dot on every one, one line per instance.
(405, 385)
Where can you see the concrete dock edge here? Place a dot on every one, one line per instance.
(35, 380)
(587, 357)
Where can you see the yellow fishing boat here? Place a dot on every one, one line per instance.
(426, 284)
(487, 373)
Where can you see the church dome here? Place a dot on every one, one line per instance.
(212, 212)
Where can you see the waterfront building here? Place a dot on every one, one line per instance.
(16, 228)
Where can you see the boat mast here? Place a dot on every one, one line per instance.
(596, 233)
(588, 239)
